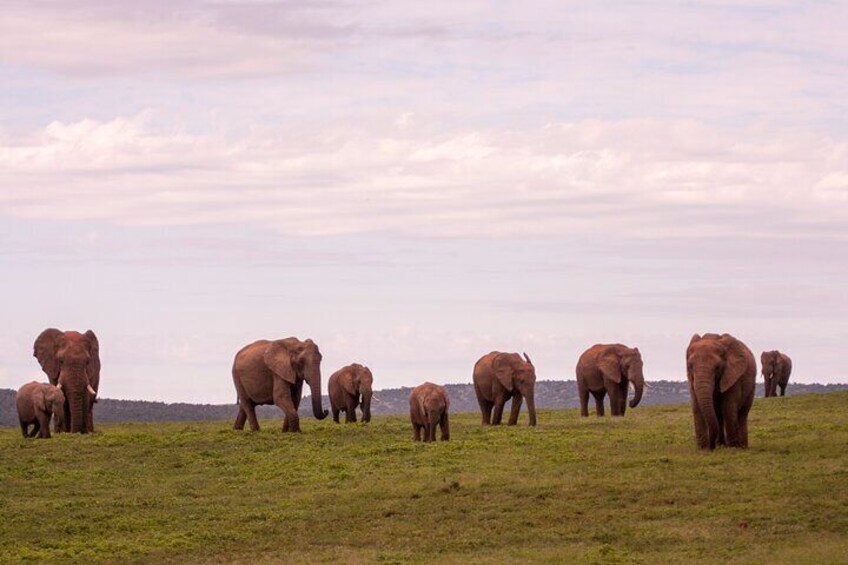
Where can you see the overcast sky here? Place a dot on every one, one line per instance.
(414, 184)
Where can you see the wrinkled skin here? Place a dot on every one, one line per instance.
(776, 367)
(499, 377)
(348, 388)
(609, 369)
(722, 376)
(36, 404)
(71, 361)
(273, 372)
(428, 408)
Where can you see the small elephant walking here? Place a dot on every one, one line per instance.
(428, 408)
(71, 361)
(273, 372)
(499, 377)
(777, 367)
(349, 387)
(609, 369)
(722, 376)
(37, 403)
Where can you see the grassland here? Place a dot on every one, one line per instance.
(631, 490)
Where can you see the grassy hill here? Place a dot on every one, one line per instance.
(631, 490)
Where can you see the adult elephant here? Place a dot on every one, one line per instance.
(273, 372)
(349, 387)
(499, 377)
(722, 375)
(71, 361)
(609, 369)
(777, 367)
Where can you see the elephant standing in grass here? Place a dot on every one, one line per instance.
(71, 361)
(273, 372)
(722, 376)
(776, 368)
(499, 377)
(428, 408)
(36, 403)
(347, 388)
(609, 369)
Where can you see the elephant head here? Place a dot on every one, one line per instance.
(294, 360)
(712, 361)
(360, 383)
(517, 374)
(72, 363)
(622, 361)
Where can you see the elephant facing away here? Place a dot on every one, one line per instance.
(609, 369)
(349, 387)
(777, 367)
(428, 408)
(71, 361)
(499, 377)
(722, 376)
(36, 404)
(273, 372)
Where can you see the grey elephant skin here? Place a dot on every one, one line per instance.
(273, 372)
(499, 377)
(71, 361)
(609, 369)
(348, 388)
(722, 372)
(428, 409)
(776, 368)
(36, 404)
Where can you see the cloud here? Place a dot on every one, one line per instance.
(644, 177)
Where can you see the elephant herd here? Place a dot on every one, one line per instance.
(721, 371)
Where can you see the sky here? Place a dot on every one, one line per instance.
(413, 185)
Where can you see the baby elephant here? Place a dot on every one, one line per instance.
(36, 402)
(428, 408)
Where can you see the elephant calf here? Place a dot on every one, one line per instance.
(36, 403)
(777, 367)
(428, 408)
(348, 388)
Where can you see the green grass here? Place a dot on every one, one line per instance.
(632, 490)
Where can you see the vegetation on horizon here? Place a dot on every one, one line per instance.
(631, 490)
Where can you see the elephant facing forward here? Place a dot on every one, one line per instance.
(71, 361)
(273, 372)
(499, 377)
(348, 388)
(36, 403)
(777, 367)
(428, 408)
(722, 376)
(609, 369)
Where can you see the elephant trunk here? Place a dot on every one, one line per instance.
(76, 398)
(638, 386)
(704, 390)
(531, 407)
(315, 386)
(59, 418)
(366, 405)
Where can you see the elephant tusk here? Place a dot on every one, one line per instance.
(375, 398)
(91, 390)
(59, 386)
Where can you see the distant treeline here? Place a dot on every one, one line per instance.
(549, 394)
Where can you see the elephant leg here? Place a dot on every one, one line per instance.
(599, 402)
(497, 414)
(284, 401)
(416, 430)
(350, 409)
(44, 426)
(241, 418)
(297, 393)
(622, 398)
(729, 421)
(743, 430)
(250, 410)
(336, 415)
(615, 403)
(426, 430)
(445, 426)
(515, 409)
(485, 411)
(24, 428)
(583, 392)
(782, 390)
(36, 429)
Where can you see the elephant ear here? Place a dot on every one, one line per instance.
(350, 380)
(278, 358)
(44, 350)
(610, 365)
(503, 366)
(736, 362)
(94, 361)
